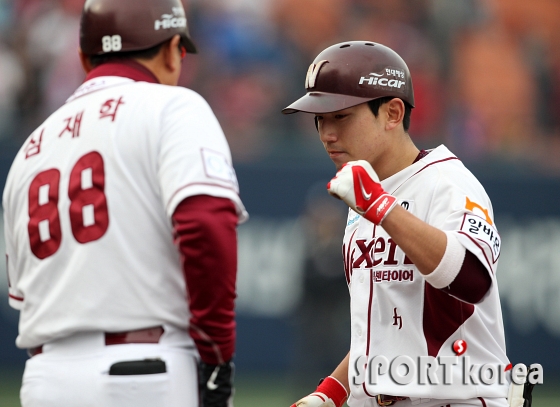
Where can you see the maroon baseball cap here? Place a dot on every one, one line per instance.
(109, 26)
(351, 73)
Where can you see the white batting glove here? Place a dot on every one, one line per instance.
(329, 393)
(359, 187)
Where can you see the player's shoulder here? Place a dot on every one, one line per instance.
(171, 95)
(448, 168)
(152, 97)
(149, 93)
(452, 179)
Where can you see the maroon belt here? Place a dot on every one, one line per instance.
(384, 400)
(148, 335)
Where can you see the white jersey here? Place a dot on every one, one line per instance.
(88, 205)
(395, 312)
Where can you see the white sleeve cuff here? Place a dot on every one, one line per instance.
(15, 303)
(450, 263)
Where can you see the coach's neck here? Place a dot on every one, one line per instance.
(166, 65)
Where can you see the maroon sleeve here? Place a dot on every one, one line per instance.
(205, 233)
(473, 281)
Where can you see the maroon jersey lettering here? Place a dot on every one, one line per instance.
(365, 253)
(378, 248)
(34, 146)
(110, 108)
(73, 125)
(391, 261)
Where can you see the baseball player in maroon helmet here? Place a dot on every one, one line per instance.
(120, 221)
(420, 249)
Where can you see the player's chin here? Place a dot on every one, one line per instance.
(339, 162)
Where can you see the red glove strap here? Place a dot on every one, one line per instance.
(333, 389)
(380, 208)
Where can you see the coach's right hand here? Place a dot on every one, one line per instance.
(329, 393)
(215, 384)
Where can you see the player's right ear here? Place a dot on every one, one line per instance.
(86, 63)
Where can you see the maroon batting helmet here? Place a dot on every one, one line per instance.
(109, 26)
(350, 73)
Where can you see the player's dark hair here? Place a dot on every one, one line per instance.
(148, 54)
(375, 104)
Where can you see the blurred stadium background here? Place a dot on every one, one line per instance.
(487, 81)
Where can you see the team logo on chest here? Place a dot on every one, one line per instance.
(380, 253)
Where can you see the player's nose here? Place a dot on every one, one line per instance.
(327, 132)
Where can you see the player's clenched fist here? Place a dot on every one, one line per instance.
(329, 393)
(314, 400)
(358, 185)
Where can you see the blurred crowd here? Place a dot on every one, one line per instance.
(486, 73)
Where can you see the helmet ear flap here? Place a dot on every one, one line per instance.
(317, 123)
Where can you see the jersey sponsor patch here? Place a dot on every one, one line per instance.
(96, 84)
(407, 204)
(477, 208)
(479, 229)
(353, 217)
(217, 166)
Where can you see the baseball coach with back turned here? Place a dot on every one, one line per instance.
(120, 220)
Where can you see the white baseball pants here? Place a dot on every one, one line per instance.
(74, 372)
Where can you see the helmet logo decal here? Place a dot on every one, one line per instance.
(376, 79)
(312, 73)
(380, 80)
(175, 20)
